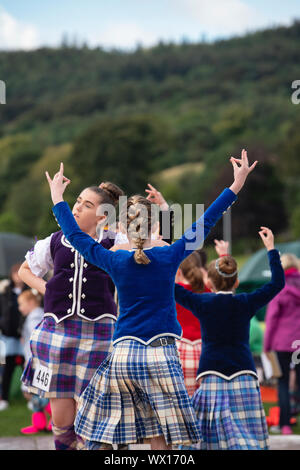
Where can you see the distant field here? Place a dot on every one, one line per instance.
(176, 172)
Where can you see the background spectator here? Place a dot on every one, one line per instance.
(282, 330)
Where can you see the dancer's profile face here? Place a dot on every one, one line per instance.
(85, 210)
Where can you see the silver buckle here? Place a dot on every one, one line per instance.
(164, 341)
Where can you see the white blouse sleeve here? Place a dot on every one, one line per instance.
(39, 258)
(121, 238)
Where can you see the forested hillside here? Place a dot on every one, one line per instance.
(128, 117)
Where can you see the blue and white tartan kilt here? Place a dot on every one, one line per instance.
(138, 392)
(230, 414)
(73, 349)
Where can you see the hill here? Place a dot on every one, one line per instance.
(128, 116)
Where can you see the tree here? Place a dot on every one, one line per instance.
(124, 150)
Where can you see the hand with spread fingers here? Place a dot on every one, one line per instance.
(58, 184)
(221, 247)
(241, 170)
(156, 197)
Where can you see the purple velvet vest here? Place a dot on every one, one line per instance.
(78, 287)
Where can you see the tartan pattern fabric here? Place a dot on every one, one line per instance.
(64, 438)
(230, 414)
(137, 392)
(73, 349)
(189, 353)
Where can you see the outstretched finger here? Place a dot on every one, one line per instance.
(244, 156)
(233, 162)
(48, 177)
(253, 166)
(151, 187)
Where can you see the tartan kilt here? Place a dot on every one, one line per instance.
(138, 392)
(73, 349)
(230, 414)
(189, 353)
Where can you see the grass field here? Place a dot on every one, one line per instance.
(18, 416)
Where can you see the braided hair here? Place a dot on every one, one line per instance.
(139, 218)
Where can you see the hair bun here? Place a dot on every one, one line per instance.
(112, 190)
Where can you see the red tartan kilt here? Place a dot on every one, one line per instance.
(189, 353)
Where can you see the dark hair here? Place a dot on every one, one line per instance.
(224, 274)
(108, 193)
(190, 268)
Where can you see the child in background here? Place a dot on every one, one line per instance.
(10, 330)
(192, 275)
(228, 403)
(29, 303)
(189, 276)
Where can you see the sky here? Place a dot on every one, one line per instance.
(29, 24)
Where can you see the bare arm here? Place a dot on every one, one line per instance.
(31, 279)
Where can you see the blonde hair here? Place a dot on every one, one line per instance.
(139, 219)
(223, 273)
(288, 260)
(31, 295)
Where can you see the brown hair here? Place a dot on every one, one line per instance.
(190, 268)
(223, 273)
(31, 294)
(138, 217)
(108, 193)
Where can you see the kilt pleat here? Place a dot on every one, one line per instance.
(73, 349)
(189, 353)
(230, 414)
(138, 392)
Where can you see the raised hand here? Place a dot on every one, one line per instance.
(221, 247)
(58, 184)
(267, 237)
(241, 170)
(156, 197)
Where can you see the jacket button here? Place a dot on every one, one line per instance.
(82, 310)
(72, 265)
(70, 296)
(69, 310)
(71, 279)
(85, 265)
(84, 279)
(83, 296)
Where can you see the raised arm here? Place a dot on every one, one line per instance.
(195, 235)
(261, 297)
(91, 250)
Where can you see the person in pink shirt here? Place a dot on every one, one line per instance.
(282, 334)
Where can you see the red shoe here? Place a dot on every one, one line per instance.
(39, 423)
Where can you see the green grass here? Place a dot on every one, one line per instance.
(18, 416)
(14, 418)
(296, 427)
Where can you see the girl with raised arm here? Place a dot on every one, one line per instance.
(228, 403)
(138, 392)
(75, 335)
